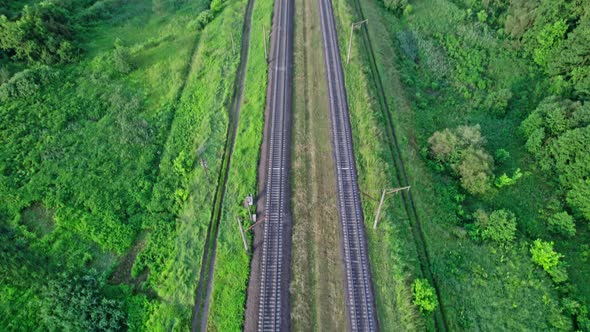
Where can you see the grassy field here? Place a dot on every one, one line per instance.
(93, 138)
(317, 278)
(501, 289)
(198, 133)
(232, 265)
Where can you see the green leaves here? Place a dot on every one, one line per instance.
(543, 255)
(499, 226)
(424, 296)
(462, 149)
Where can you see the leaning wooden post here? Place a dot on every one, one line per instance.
(350, 43)
(243, 236)
(379, 210)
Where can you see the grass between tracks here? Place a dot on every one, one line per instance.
(392, 251)
(317, 275)
(177, 234)
(232, 265)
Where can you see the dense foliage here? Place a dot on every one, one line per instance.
(98, 159)
(424, 296)
(518, 71)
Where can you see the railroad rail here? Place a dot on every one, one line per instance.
(359, 292)
(273, 298)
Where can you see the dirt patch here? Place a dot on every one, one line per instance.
(38, 219)
(122, 274)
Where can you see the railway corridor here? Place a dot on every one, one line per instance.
(268, 305)
(359, 293)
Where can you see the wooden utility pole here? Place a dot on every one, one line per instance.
(243, 236)
(264, 39)
(386, 191)
(205, 167)
(352, 27)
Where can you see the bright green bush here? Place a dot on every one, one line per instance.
(424, 296)
(543, 255)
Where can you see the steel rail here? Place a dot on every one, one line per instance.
(359, 292)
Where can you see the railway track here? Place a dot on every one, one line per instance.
(273, 312)
(359, 292)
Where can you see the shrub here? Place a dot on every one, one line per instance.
(203, 19)
(122, 58)
(504, 180)
(543, 255)
(501, 156)
(499, 226)
(562, 223)
(424, 296)
(216, 6)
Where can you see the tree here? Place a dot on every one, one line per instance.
(499, 226)
(424, 296)
(562, 223)
(578, 198)
(443, 145)
(462, 148)
(571, 59)
(475, 171)
(543, 255)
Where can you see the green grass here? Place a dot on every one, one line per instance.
(198, 131)
(232, 265)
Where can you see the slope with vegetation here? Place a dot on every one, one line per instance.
(490, 101)
(106, 110)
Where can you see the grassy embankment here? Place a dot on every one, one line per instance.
(392, 251)
(317, 279)
(175, 243)
(499, 287)
(232, 265)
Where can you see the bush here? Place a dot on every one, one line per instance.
(501, 156)
(499, 226)
(424, 296)
(544, 256)
(562, 223)
(203, 19)
(504, 180)
(216, 6)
